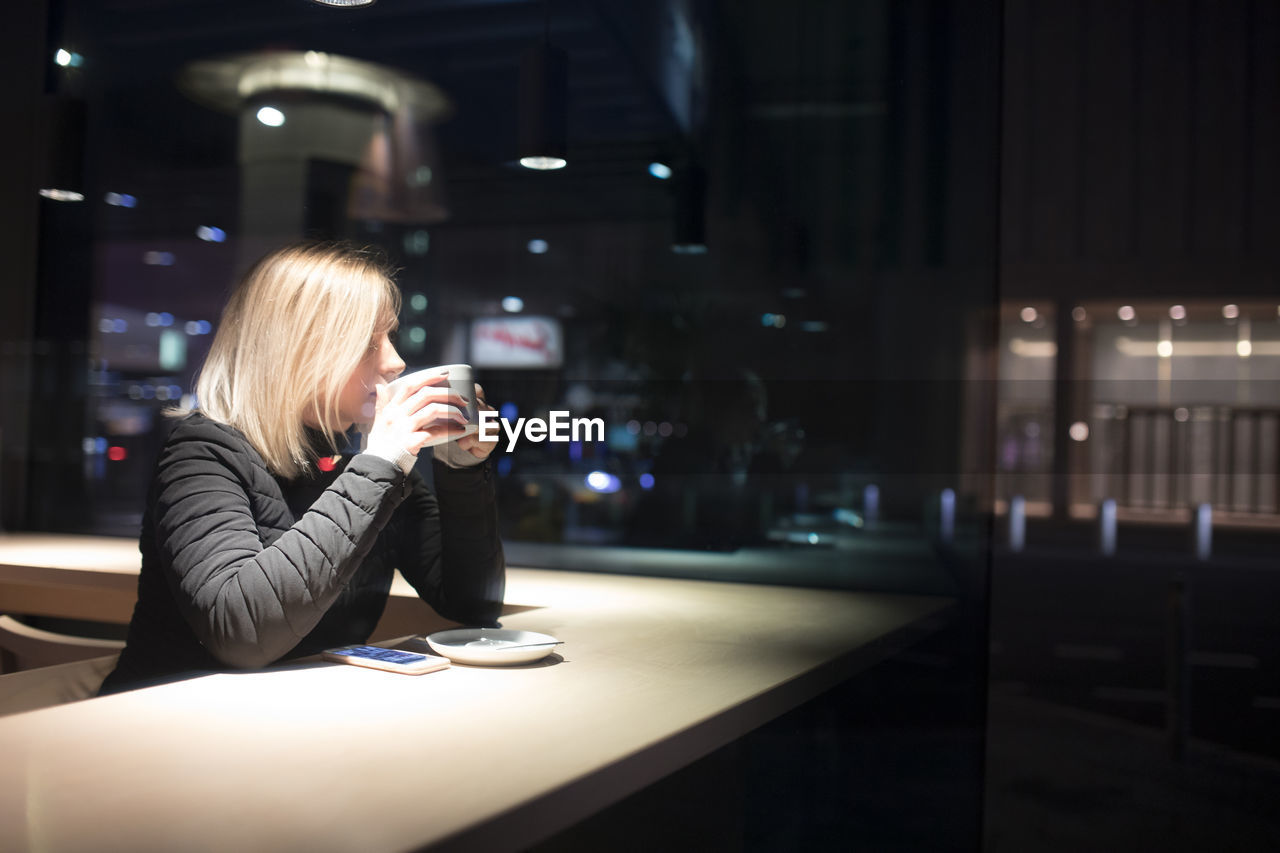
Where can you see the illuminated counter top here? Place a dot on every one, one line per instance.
(654, 674)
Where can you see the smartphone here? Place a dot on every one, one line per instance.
(391, 660)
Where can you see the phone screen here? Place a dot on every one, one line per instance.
(376, 653)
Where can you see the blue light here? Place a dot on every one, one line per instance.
(602, 482)
(100, 444)
(621, 438)
(211, 234)
(512, 304)
(646, 481)
(166, 319)
(848, 516)
(504, 466)
(575, 451)
(661, 171)
(538, 247)
(766, 319)
(507, 411)
(120, 200)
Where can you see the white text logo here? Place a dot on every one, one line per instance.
(558, 427)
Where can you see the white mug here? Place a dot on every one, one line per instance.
(461, 384)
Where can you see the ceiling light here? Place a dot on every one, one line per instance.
(61, 195)
(228, 83)
(62, 130)
(661, 171)
(270, 116)
(544, 114)
(543, 164)
(68, 58)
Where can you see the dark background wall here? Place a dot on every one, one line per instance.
(1139, 151)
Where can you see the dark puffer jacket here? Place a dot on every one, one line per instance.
(241, 568)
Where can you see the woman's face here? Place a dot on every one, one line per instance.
(381, 364)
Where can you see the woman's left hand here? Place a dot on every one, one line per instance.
(472, 443)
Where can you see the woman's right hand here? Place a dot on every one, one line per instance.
(407, 416)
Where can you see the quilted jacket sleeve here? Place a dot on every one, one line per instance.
(450, 550)
(249, 604)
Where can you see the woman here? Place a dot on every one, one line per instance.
(258, 542)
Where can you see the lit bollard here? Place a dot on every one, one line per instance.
(1017, 523)
(1204, 531)
(870, 504)
(1107, 527)
(947, 515)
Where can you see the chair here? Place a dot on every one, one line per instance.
(53, 668)
(53, 685)
(29, 648)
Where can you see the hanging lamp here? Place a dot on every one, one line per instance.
(544, 97)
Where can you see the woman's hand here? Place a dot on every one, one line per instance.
(472, 443)
(406, 417)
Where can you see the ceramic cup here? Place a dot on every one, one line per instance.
(460, 383)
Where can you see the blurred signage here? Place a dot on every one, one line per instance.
(516, 342)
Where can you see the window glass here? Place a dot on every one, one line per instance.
(741, 308)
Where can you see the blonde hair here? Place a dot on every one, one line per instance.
(294, 330)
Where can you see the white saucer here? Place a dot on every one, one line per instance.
(491, 646)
